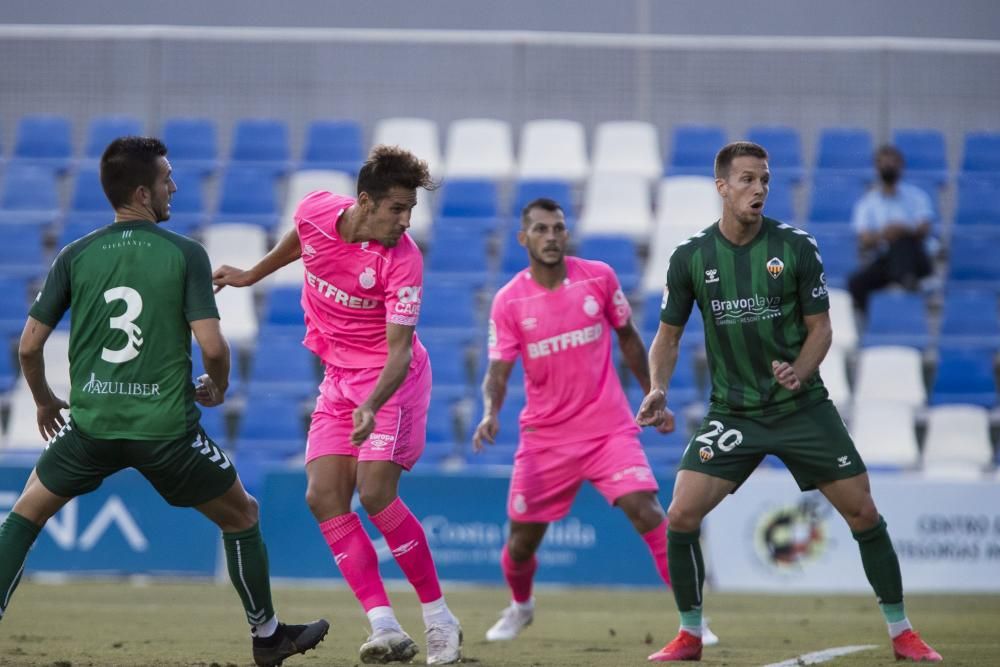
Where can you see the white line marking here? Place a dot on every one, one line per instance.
(822, 656)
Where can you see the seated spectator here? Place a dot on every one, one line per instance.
(893, 223)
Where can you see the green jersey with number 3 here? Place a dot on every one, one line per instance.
(133, 288)
(752, 300)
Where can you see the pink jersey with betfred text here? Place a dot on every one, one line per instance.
(352, 290)
(563, 337)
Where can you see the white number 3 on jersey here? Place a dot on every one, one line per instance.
(126, 323)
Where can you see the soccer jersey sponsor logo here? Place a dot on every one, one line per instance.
(775, 266)
(711, 276)
(749, 309)
(590, 306)
(380, 441)
(638, 473)
(564, 341)
(113, 387)
(367, 278)
(328, 290)
(409, 300)
(820, 291)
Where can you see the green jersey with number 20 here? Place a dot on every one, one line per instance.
(133, 289)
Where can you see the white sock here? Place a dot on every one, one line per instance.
(383, 618)
(265, 629)
(528, 605)
(899, 627)
(696, 631)
(437, 611)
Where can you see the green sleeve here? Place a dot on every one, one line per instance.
(813, 293)
(678, 297)
(199, 295)
(54, 299)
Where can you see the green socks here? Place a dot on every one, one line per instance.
(246, 557)
(882, 569)
(687, 575)
(17, 534)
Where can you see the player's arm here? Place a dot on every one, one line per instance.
(399, 339)
(287, 250)
(215, 357)
(30, 351)
(634, 351)
(819, 336)
(494, 392)
(663, 354)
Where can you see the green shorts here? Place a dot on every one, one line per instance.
(812, 442)
(186, 471)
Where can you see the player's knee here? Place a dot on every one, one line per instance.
(683, 519)
(252, 510)
(863, 515)
(374, 500)
(520, 549)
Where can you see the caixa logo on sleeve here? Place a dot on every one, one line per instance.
(409, 299)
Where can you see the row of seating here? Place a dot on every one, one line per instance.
(484, 147)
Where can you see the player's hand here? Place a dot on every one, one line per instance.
(487, 430)
(50, 419)
(654, 412)
(230, 275)
(364, 424)
(785, 375)
(207, 393)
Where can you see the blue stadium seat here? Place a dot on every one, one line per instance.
(981, 153)
(248, 196)
(30, 195)
(509, 415)
(897, 318)
(283, 366)
(848, 151)
(448, 364)
(694, 149)
(261, 143)
(528, 190)
(780, 205)
(74, 228)
(7, 372)
(198, 369)
(102, 130)
(14, 305)
(44, 141)
(192, 143)
(978, 200)
(283, 306)
(965, 375)
(456, 250)
(187, 207)
(932, 186)
(784, 150)
(693, 337)
(833, 199)
(839, 250)
(442, 424)
(970, 318)
(448, 312)
(88, 201)
(272, 425)
(663, 451)
(333, 144)
(215, 424)
(21, 251)
(925, 154)
(617, 251)
(513, 256)
(969, 266)
(470, 203)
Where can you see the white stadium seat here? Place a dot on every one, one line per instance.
(22, 428)
(845, 328)
(617, 204)
(628, 147)
(890, 372)
(417, 135)
(957, 441)
(302, 183)
(553, 149)
(685, 206)
(479, 148)
(242, 246)
(833, 370)
(884, 433)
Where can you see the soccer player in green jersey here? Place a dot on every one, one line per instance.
(138, 292)
(760, 287)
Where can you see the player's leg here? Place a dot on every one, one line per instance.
(518, 562)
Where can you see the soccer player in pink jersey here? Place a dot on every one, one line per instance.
(361, 296)
(557, 315)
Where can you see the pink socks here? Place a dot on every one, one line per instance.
(519, 575)
(355, 556)
(656, 540)
(405, 536)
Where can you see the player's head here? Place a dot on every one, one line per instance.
(742, 179)
(543, 232)
(387, 191)
(135, 174)
(889, 164)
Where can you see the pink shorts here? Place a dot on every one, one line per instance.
(400, 426)
(546, 479)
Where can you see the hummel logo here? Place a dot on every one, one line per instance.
(843, 461)
(712, 276)
(338, 558)
(127, 234)
(405, 548)
(217, 454)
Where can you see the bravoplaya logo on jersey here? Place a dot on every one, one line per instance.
(750, 309)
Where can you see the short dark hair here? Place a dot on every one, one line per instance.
(544, 203)
(889, 149)
(391, 166)
(127, 163)
(724, 158)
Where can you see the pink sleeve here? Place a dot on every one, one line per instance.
(617, 308)
(404, 286)
(320, 210)
(503, 343)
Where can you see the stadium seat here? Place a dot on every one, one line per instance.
(282, 366)
(417, 135)
(449, 310)
(784, 151)
(619, 252)
(453, 250)
(833, 199)
(7, 372)
(102, 130)
(14, 305)
(693, 150)
(261, 143)
(884, 433)
(833, 370)
(449, 361)
(301, 183)
(513, 257)
(272, 426)
(333, 145)
(30, 195)
(617, 204)
(236, 380)
(473, 199)
(187, 206)
(479, 148)
(283, 307)
(22, 427)
(890, 373)
(970, 318)
(236, 245)
(924, 152)
(965, 375)
(981, 153)
(897, 318)
(958, 437)
(969, 266)
(780, 205)
(628, 147)
(559, 191)
(215, 424)
(248, 197)
(442, 424)
(88, 201)
(44, 141)
(193, 143)
(508, 417)
(553, 149)
(978, 201)
(839, 249)
(845, 328)
(845, 151)
(21, 251)
(685, 206)
(648, 320)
